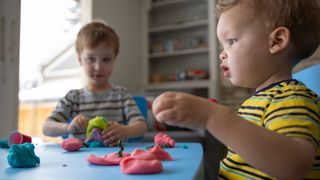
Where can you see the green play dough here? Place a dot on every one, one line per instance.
(22, 155)
(97, 122)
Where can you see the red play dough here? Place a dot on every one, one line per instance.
(163, 139)
(71, 144)
(141, 162)
(107, 160)
(160, 154)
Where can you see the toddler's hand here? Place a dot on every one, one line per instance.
(182, 109)
(113, 133)
(78, 124)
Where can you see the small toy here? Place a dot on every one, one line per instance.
(15, 137)
(94, 129)
(121, 148)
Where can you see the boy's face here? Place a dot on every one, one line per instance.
(245, 56)
(98, 65)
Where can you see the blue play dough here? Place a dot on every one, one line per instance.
(95, 144)
(22, 155)
(4, 143)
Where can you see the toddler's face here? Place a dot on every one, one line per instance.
(245, 55)
(98, 65)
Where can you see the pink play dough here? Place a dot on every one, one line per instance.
(107, 160)
(141, 162)
(160, 154)
(163, 139)
(71, 144)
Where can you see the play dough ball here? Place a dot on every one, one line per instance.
(71, 144)
(97, 122)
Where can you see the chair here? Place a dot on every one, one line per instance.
(310, 77)
(142, 103)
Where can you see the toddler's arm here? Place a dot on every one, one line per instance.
(273, 153)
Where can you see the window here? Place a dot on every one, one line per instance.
(48, 62)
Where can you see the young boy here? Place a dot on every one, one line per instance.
(97, 46)
(276, 132)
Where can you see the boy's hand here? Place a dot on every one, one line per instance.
(78, 124)
(182, 109)
(113, 133)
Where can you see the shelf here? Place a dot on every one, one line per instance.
(179, 85)
(169, 3)
(178, 26)
(179, 53)
(178, 38)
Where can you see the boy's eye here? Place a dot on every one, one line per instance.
(106, 60)
(90, 60)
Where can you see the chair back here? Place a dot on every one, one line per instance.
(142, 103)
(310, 77)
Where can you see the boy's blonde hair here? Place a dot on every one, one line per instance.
(301, 17)
(94, 33)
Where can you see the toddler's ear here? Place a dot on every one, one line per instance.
(279, 39)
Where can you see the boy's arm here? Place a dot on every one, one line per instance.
(136, 128)
(115, 131)
(56, 124)
(53, 128)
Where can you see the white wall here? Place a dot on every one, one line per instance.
(125, 16)
(9, 65)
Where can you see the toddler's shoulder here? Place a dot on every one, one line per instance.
(299, 89)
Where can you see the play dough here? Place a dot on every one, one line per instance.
(22, 155)
(98, 122)
(163, 139)
(4, 143)
(71, 144)
(160, 154)
(94, 131)
(107, 160)
(141, 162)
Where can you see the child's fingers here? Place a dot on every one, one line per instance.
(166, 116)
(113, 139)
(109, 132)
(163, 102)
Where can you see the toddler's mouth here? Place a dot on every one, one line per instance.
(225, 69)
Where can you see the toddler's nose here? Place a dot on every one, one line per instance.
(222, 56)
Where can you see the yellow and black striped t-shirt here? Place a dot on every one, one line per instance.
(288, 108)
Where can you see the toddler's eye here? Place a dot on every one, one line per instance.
(231, 41)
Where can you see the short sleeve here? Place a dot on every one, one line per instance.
(294, 115)
(63, 110)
